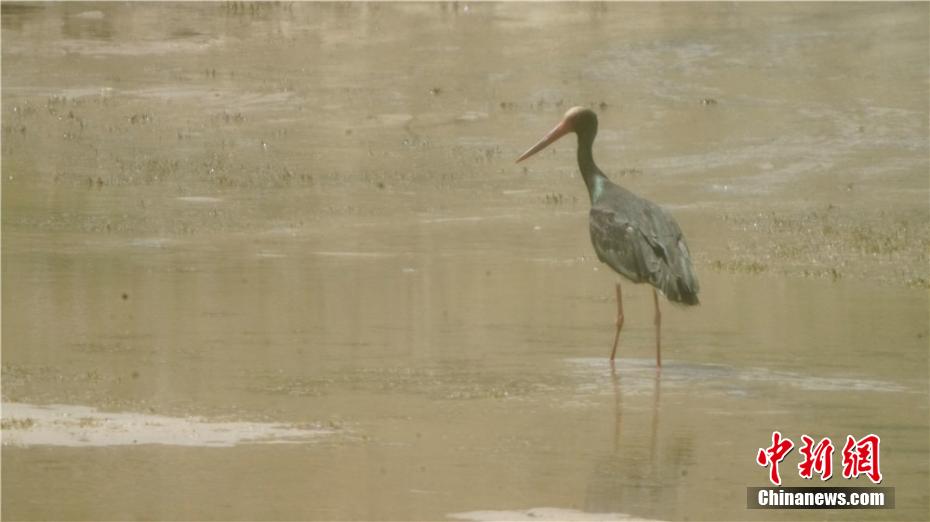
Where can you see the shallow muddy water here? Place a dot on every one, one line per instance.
(297, 232)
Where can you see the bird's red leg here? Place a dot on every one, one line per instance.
(658, 321)
(619, 322)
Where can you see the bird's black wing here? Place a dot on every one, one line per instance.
(644, 244)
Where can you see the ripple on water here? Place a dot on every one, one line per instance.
(543, 513)
(199, 199)
(150, 242)
(76, 426)
(639, 375)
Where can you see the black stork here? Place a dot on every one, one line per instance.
(634, 236)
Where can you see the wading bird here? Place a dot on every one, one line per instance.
(634, 236)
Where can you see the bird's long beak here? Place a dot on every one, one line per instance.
(563, 128)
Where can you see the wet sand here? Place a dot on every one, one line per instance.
(241, 216)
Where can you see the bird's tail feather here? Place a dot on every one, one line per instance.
(681, 287)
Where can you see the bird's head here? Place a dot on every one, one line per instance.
(579, 120)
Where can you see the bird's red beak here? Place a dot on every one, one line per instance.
(563, 128)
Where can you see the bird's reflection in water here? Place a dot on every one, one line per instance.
(637, 476)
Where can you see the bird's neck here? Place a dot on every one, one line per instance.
(593, 177)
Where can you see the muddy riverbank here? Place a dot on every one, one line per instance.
(295, 221)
